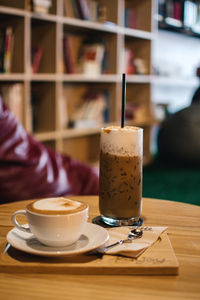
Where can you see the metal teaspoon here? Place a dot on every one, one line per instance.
(134, 234)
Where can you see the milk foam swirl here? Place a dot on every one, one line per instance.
(57, 205)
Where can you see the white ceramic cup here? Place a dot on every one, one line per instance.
(54, 230)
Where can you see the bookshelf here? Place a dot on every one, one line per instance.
(52, 92)
(181, 16)
(175, 64)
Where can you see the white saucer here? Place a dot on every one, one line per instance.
(93, 237)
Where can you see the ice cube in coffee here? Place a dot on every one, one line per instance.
(120, 194)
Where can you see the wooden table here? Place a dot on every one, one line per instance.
(183, 221)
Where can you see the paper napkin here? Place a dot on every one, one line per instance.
(137, 246)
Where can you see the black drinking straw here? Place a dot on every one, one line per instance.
(123, 99)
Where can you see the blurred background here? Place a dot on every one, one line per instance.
(60, 74)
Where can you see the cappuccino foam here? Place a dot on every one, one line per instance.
(56, 206)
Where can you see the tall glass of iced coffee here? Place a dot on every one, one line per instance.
(120, 194)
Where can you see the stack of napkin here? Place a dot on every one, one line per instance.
(137, 246)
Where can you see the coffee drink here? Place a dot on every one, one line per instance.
(55, 222)
(56, 206)
(120, 186)
(120, 190)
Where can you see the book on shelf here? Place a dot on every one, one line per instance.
(87, 56)
(174, 13)
(88, 10)
(93, 57)
(171, 12)
(6, 49)
(191, 13)
(180, 14)
(94, 11)
(92, 110)
(76, 12)
(178, 11)
(130, 18)
(76, 9)
(169, 9)
(83, 9)
(68, 54)
(40, 6)
(36, 56)
(12, 96)
(68, 9)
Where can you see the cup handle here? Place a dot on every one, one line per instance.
(16, 224)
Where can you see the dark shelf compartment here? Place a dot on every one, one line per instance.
(182, 30)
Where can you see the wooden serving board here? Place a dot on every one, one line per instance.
(159, 259)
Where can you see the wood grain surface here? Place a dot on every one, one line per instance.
(159, 259)
(183, 221)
